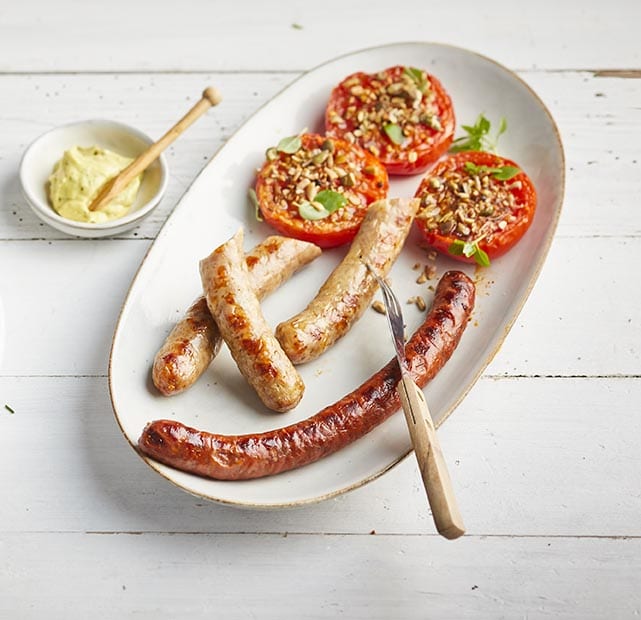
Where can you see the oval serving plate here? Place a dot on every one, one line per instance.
(216, 205)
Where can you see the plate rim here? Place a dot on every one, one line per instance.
(506, 328)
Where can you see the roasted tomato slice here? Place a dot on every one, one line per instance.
(402, 115)
(474, 203)
(289, 186)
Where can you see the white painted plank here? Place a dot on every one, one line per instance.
(59, 303)
(596, 117)
(583, 316)
(31, 105)
(550, 460)
(252, 35)
(63, 299)
(357, 577)
(527, 457)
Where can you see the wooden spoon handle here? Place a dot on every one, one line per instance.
(436, 478)
(113, 187)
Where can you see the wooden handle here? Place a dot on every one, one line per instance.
(436, 478)
(117, 184)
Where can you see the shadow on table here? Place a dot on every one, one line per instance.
(135, 498)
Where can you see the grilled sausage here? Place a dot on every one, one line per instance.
(195, 340)
(236, 310)
(350, 287)
(237, 457)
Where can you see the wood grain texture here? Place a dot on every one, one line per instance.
(530, 457)
(300, 576)
(87, 281)
(544, 449)
(595, 115)
(431, 462)
(254, 35)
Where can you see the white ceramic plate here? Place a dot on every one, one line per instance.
(216, 205)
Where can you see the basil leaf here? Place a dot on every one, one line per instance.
(481, 257)
(456, 247)
(472, 168)
(394, 133)
(309, 212)
(502, 127)
(505, 173)
(478, 138)
(332, 201)
(289, 145)
(469, 249)
(253, 200)
(418, 76)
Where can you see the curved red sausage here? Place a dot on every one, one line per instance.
(238, 457)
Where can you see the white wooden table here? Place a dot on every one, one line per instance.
(544, 450)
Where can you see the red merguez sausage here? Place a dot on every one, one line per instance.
(239, 457)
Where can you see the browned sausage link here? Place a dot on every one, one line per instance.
(236, 309)
(240, 457)
(350, 287)
(195, 340)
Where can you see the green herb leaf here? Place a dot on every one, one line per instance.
(394, 133)
(296, 26)
(469, 249)
(289, 145)
(481, 257)
(253, 199)
(478, 138)
(501, 173)
(456, 248)
(9, 409)
(308, 211)
(418, 76)
(332, 201)
(505, 173)
(472, 168)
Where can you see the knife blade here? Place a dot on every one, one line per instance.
(434, 472)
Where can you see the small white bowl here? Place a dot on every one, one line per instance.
(39, 159)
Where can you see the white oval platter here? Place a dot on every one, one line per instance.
(216, 205)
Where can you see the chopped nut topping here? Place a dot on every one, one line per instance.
(388, 98)
(430, 272)
(379, 307)
(298, 177)
(419, 302)
(467, 205)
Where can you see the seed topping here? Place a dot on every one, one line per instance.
(467, 204)
(318, 170)
(391, 105)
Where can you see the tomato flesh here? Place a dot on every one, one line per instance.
(402, 115)
(289, 179)
(462, 205)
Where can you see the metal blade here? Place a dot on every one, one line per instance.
(394, 319)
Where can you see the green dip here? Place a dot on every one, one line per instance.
(78, 176)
